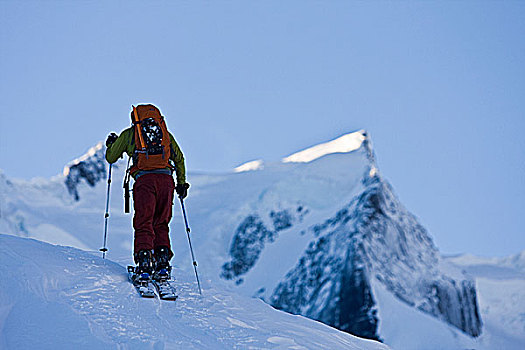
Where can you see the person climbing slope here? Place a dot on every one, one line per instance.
(156, 155)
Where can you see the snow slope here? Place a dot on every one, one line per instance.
(54, 297)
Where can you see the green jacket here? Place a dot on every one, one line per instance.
(125, 143)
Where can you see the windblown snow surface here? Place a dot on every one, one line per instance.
(55, 297)
(283, 232)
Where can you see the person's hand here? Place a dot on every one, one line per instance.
(111, 139)
(182, 190)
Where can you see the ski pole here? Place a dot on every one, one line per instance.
(104, 249)
(126, 189)
(189, 241)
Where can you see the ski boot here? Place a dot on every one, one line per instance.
(162, 275)
(144, 268)
(162, 264)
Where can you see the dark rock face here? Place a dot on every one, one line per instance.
(91, 170)
(404, 258)
(357, 307)
(281, 219)
(252, 235)
(330, 284)
(455, 303)
(373, 237)
(248, 242)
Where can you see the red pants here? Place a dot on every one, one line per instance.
(152, 202)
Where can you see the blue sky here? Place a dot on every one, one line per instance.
(440, 86)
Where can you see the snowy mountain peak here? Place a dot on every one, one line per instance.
(344, 144)
(90, 153)
(91, 167)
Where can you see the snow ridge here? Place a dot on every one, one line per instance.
(344, 144)
(250, 166)
(49, 293)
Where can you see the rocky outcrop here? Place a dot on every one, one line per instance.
(252, 235)
(331, 284)
(374, 237)
(91, 168)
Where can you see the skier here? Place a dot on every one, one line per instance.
(155, 155)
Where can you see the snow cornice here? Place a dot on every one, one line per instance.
(344, 144)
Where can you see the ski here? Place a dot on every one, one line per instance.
(161, 281)
(141, 284)
(165, 289)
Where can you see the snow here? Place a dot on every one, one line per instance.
(250, 166)
(515, 263)
(51, 234)
(55, 297)
(344, 144)
(399, 323)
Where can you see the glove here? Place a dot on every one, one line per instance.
(182, 190)
(111, 139)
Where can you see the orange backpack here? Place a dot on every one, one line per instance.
(152, 150)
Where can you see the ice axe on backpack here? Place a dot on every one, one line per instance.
(127, 177)
(136, 121)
